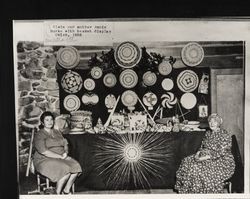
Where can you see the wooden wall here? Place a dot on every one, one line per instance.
(217, 54)
(228, 101)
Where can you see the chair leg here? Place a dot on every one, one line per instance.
(38, 182)
(47, 183)
(230, 187)
(73, 188)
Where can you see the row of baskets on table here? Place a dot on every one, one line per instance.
(81, 122)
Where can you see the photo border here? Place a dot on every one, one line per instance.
(238, 31)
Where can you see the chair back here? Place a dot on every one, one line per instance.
(238, 177)
(30, 165)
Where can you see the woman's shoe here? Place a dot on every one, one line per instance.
(66, 193)
(50, 191)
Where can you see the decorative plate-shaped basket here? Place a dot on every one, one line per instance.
(168, 100)
(109, 80)
(129, 98)
(188, 100)
(89, 84)
(165, 68)
(187, 81)
(128, 78)
(167, 84)
(91, 99)
(149, 99)
(192, 54)
(68, 57)
(149, 78)
(96, 72)
(71, 82)
(127, 54)
(71, 103)
(110, 101)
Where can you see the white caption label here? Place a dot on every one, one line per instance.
(78, 33)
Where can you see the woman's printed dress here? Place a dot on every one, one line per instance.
(207, 176)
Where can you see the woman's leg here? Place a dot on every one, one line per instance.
(70, 182)
(60, 183)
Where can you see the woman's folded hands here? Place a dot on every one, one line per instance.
(202, 155)
(64, 155)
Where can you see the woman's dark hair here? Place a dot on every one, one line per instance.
(45, 114)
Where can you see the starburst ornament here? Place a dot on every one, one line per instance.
(130, 160)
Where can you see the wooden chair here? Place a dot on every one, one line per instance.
(43, 182)
(236, 182)
(228, 186)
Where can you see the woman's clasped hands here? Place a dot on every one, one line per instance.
(201, 156)
(64, 156)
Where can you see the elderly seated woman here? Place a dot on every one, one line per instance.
(206, 171)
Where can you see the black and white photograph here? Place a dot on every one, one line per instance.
(131, 107)
(203, 111)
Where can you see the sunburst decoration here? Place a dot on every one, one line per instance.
(133, 159)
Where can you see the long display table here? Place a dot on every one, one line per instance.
(131, 161)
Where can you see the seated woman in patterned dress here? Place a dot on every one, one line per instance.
(206, 171)
(51, 156)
